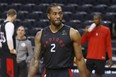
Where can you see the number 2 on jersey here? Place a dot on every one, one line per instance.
(53, 47)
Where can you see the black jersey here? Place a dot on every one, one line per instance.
(57, 48)
(3, 38)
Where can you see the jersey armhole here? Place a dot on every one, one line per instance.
(41, 35)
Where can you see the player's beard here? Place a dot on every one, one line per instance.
(98, 24)
(57, 24)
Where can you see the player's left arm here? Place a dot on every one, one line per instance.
(9, 28)
(109, 47)
(80, 62)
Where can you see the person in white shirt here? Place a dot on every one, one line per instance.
(7, 45)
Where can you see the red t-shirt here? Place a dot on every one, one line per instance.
(99, 42)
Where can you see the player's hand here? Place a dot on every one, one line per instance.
(86, 30)
(110, 62)
(13, 51)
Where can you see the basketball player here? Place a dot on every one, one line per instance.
(8, 64)
(57, 44)
(99, 42)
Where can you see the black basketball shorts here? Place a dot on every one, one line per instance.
(97, 65)
(57, 73)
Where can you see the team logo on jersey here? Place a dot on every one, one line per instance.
(58, 40)
(64, 32)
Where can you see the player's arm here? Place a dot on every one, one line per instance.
(36, 57)
(109, 48)
(9, 28)
(80, 62)
(30, 51)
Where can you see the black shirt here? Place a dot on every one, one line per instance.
(57, 48)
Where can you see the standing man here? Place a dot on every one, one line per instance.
(99, 42)
(7, 43)
(24, 51)
(58, 44)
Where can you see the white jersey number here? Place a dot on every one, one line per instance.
(2, 38)
(53, 47)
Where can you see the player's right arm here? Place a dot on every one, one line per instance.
(36, 57)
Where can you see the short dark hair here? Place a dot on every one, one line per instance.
(52, 5)
(22, 27)
(25, 29)
(11, 12)
(98, 15)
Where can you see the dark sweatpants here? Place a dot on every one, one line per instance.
(22, 69)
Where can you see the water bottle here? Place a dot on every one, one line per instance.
(92, 26)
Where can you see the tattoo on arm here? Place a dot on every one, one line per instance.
(35, 59)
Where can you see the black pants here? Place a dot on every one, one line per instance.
(22, 69)
(8, 66)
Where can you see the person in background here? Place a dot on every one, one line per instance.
(99, 43)
(7, 45)
(24, 51)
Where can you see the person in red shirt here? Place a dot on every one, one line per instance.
(99, 42)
